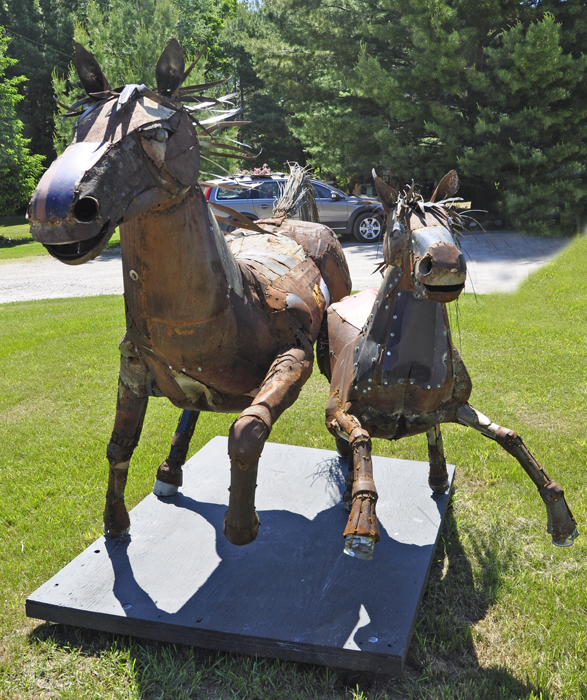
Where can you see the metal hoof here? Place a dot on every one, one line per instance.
(164, 490)
(438, 485)
(115, 535)
(567, 541)
(243, 536)
(359, 546)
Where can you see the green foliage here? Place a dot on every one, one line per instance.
(531, 136)
(19, 169)
(417, 87)
(41, 40)
(269, 131)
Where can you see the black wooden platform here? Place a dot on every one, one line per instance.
(292, 594)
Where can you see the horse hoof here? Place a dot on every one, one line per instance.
(439, 485)
(114, 535)
(568, 541)
(240, 536)
(359, 546)
(164, 490)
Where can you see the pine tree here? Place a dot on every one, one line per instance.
(19, 169)
(495, 88)
(41, 40)
(531, 138)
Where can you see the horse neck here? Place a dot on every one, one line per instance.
(176, 264)
(401, 330)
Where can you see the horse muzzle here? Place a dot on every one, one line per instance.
(440, 271)
(64, 214)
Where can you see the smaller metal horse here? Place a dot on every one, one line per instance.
(395, 371)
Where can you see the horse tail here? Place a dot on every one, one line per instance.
(297, 196)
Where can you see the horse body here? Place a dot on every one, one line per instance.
(213, 323)
(394, 370)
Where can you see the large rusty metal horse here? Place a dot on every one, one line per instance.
(395, 371)
(212, 324)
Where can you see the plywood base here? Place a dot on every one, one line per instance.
(292, 594)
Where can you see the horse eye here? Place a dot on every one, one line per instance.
(161, 135)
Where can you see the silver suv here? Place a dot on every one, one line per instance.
(344, 214)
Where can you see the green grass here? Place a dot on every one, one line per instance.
(504, 612)
(20, 243)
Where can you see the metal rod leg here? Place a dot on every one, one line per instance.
(169, 474)
(130, 413)
(438, 476)
(561, 524)
(362, 531)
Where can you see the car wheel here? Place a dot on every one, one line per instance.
(368, 227)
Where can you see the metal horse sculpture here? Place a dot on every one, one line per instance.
(211, 326)
(395, 371)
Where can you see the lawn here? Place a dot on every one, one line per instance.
(504, 611)
(16, 240)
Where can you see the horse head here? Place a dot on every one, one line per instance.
(133, 149)
(420, 239)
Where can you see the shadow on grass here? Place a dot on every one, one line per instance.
(442, 662)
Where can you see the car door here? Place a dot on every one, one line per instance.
(266, 194)
(333, 212)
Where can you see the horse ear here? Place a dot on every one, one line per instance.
(89, 71)
(447, 187)
(387, 194)
(170, 68)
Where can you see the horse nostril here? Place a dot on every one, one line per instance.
(425, 267)
(86, 209)
(462, 264)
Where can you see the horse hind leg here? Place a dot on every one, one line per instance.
(561, 524)
(438, 476)
(170, 475)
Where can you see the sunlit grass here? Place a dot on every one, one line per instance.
(504, 611)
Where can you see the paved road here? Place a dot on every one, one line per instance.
(496, 262)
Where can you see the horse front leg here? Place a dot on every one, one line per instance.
(362, 531)
(131, 406)
(561, 524)
(170, 474)
(438, 475)
(281, 387)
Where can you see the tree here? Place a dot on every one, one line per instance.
(41, 40)
(421, 86)
(531, 138)
(269, 132)
(19, 169)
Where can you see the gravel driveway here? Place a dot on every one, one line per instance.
(496, 262)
